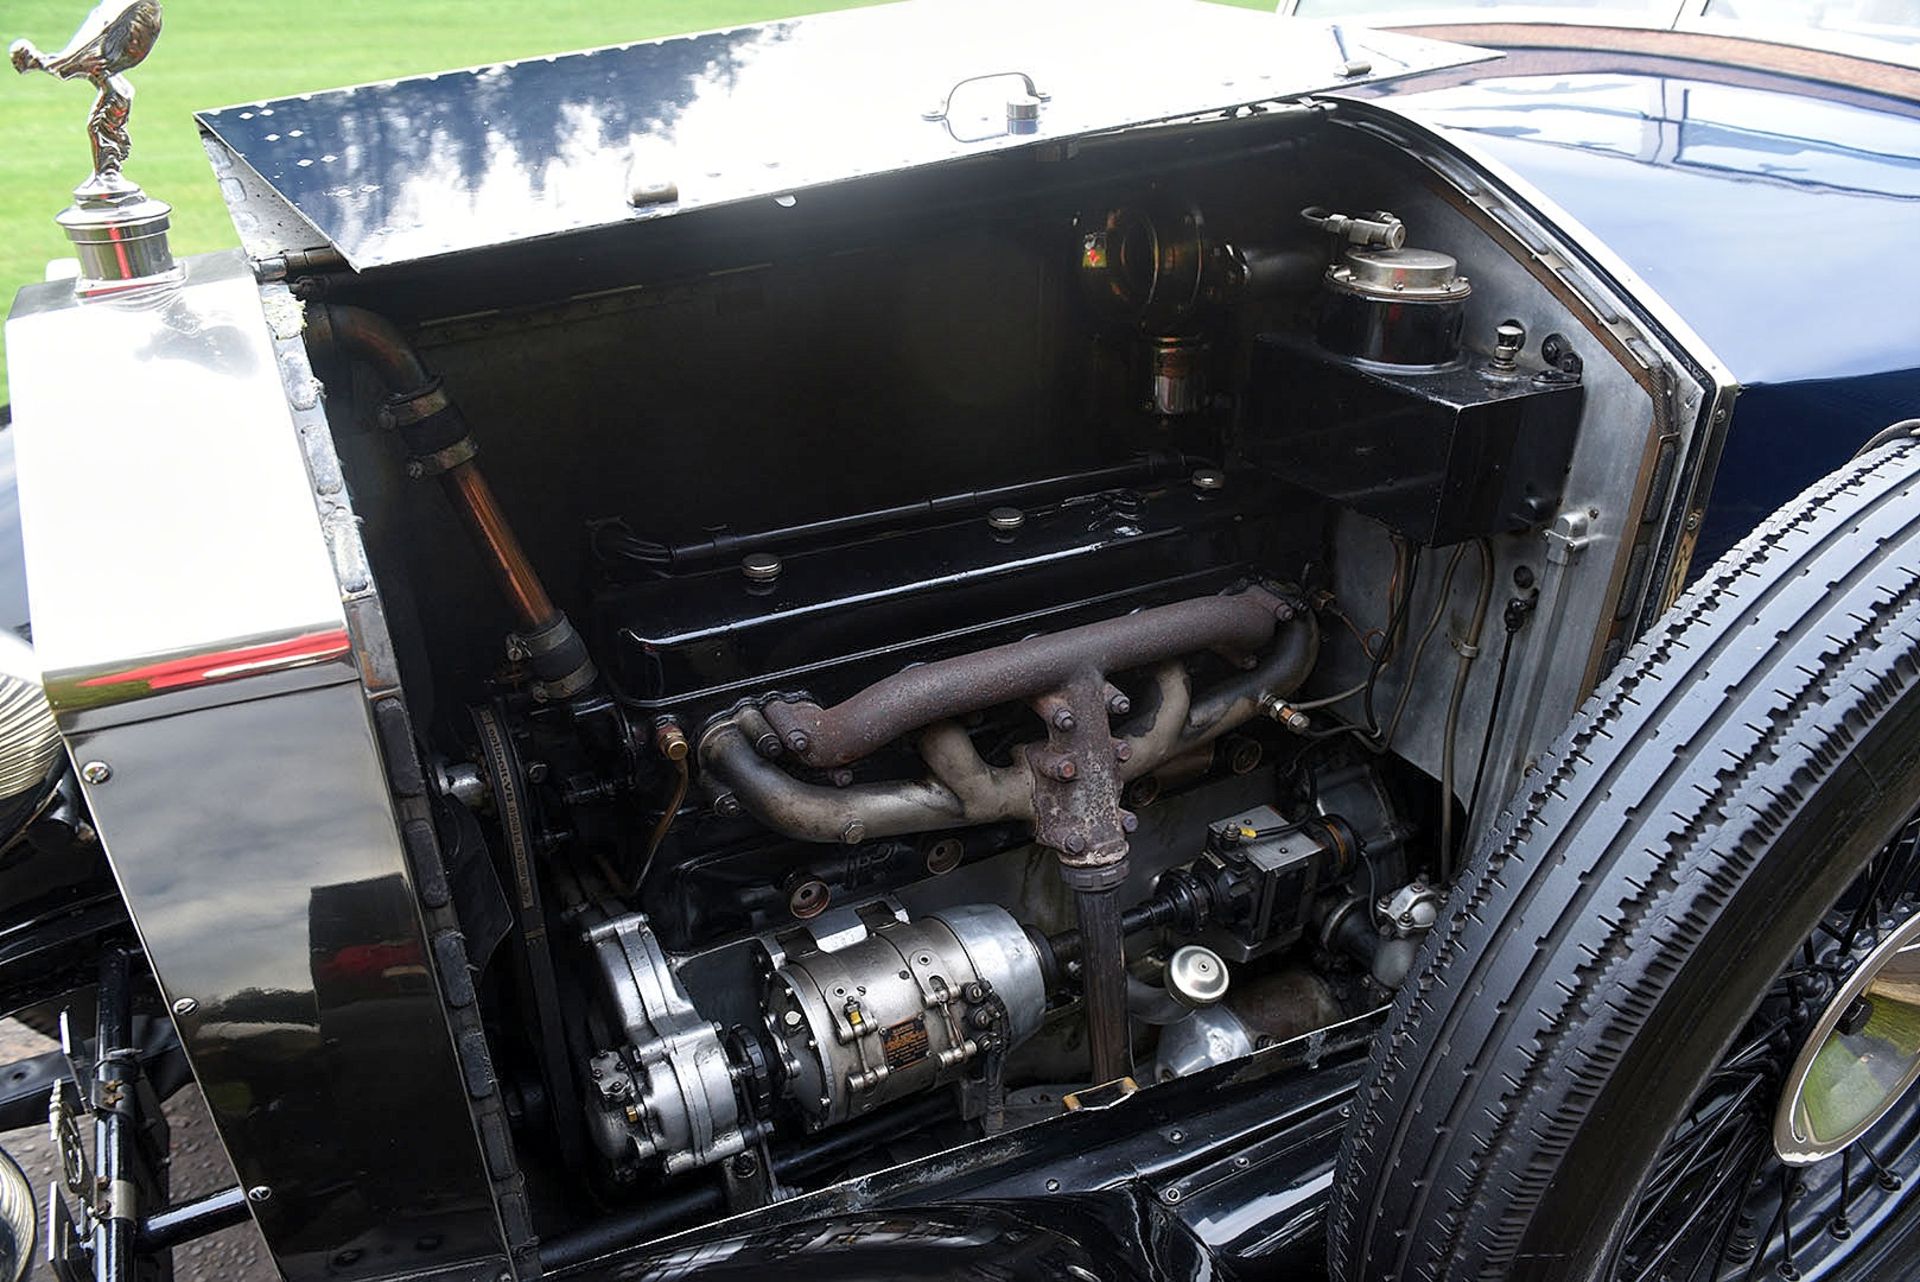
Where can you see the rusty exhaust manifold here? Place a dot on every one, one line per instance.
(1068, 786)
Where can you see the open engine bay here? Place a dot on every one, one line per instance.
(976, 638)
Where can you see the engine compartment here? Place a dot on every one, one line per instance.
(1018, 632)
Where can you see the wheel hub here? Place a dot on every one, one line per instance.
(1860, 1056)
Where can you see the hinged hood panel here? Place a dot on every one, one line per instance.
(437, 165)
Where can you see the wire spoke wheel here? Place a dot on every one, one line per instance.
(1806, 1136)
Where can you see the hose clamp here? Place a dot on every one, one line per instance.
(461, 451)
(409, 408)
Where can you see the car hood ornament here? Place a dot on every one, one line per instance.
(119, 232)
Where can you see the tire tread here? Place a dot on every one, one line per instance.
(1710, 735)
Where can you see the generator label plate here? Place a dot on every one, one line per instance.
(905, 1043)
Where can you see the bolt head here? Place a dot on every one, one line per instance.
(798, 741)
(259, 1193)
(185, 1006)
(854, 833)
(96, 772)
(760, 567)
(1122, 750)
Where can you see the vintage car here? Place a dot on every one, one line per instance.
(983, 640)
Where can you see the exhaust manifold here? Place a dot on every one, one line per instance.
(1067, 786)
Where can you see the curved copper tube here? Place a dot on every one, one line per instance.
(377, 341)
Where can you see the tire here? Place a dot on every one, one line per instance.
(1619, 926)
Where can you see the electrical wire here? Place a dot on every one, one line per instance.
(1517, 611)
(1396, 623)
(614, 543)
(1400, 557)
(1327, 701)
(1385, 739)
(1407, 566)
(1469, 650)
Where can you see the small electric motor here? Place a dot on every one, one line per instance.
(912, 1006)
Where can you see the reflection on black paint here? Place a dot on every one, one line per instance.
(368, 165)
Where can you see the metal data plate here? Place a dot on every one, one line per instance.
(436, 165)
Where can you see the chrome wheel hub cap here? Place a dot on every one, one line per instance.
(1860, 1056)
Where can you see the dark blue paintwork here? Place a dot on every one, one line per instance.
(1778, 217)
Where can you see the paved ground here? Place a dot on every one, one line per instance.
(199, 1166)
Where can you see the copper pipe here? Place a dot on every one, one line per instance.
(473, 498)
(375, 340)
(379, 342)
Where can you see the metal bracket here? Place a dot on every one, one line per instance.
(76, 1170)
(1105, 1095)
(1568, 538)
(67, 1256)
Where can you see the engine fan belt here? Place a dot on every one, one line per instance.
(537, 983)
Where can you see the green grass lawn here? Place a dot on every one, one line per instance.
(218, 52)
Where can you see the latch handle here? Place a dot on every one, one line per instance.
(946, 104)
